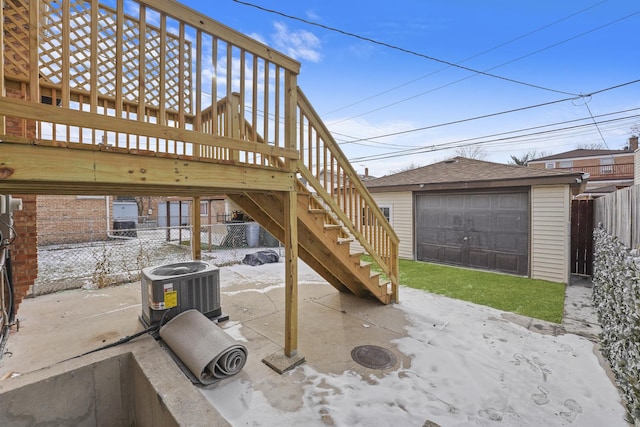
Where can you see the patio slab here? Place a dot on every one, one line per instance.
(456, 362)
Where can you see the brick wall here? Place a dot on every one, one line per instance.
(71, 219)
(24, 251)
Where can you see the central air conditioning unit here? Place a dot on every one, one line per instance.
(182, 286)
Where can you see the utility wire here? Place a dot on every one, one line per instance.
(465, 142)
(473, 57)
(488, 69)
(493, 114)
(377, 143)
(401, 49)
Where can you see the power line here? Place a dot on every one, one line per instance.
(494, 114)
(523, 129)
(401, 49)
(488, 69)
(465, 142)
(472, 57)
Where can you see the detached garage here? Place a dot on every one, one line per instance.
(484, 215)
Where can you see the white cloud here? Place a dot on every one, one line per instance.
(298, 44)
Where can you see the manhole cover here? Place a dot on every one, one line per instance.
(373, 357)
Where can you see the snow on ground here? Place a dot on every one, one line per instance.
(469, 367)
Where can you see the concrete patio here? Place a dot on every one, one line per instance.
(457, 363)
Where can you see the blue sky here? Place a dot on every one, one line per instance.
(553, 50)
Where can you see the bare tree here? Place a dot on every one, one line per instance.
(410, 166)
(471, 152)
(590, 146)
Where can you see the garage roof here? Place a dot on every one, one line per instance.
(461, 173)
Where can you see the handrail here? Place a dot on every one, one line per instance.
(325, 167)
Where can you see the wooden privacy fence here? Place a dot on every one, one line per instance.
(582, 237)
(619, 215)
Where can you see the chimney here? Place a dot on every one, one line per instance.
(633, 143)
(366, 170)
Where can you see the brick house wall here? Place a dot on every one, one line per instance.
(72, 219)
(24, 251)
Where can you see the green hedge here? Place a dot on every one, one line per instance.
(616, 294)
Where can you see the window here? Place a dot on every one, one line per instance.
(367, 215)
(550, 165)
(386, 211)
(606, 165)
(204, 208)
(565, 164)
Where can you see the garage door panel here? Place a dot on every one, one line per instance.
(453, 255)
(479, 201)
(507, 242)
(516, 201)
(509, 222)
(489, 231)
(453, 202)
(479, 259)
(511, 263)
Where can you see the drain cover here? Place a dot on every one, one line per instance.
(373, 357)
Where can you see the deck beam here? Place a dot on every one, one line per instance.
(29, 169)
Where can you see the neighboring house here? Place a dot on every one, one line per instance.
(608, 170)
(479, 214)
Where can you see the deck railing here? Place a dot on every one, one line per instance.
(145, 62)
(605, 172)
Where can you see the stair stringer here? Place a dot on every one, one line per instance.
(318, 245)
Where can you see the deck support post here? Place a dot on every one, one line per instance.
(196, 246)
(291, 274)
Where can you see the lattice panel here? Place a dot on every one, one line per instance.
(50, 50)
(131, 60)
(152, 67)
(107, 61)
(80, 46)
(16, 38)
(106, 75)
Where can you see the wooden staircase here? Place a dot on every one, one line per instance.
(128, 104)
(324, 244)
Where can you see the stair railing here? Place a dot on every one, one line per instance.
(325, 167)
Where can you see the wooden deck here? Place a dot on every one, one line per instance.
(153, 98)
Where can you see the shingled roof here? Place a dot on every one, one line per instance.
(461, 172)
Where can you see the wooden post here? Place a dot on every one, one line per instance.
(291, 274)
(196, 247)
(279, 362)
(3, 129)
(291, 222)
(168, 214)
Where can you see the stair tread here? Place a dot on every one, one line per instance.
(332, 226)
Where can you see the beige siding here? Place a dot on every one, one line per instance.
(401, 204)
(550, 233)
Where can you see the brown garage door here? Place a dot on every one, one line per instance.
(488, 231)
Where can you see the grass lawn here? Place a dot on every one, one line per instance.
(528, 297)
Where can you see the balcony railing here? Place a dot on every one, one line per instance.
(605, 172)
